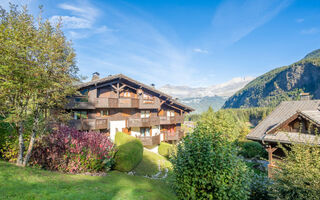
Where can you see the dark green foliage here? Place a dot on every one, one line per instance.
(298, 175)
(165, 149)
(250, 149)
(129, 153)
(260, 188)
(284, 83)
(206, 166)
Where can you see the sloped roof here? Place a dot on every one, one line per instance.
(150, 88)
(289, 137)
(280, 114)
(313, 115)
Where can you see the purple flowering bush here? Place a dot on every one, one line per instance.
(73, 151)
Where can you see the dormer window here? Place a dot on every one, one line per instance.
(170, 113)
(126, 94)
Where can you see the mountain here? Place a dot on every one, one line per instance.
(200, 98)
(283, 83)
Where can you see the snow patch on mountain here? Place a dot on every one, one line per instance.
(224, 90)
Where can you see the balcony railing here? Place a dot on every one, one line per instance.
(89, 124)
(173, 136)
(80, 102)
(149, 140)
(143, 122)
(107, 102)
(178, 119)
(149, 103)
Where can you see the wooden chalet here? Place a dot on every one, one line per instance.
(119, 103)
(290, 122)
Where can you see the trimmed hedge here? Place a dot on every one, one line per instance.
(129, 154)
(165, 149)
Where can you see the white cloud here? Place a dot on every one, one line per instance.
(235, 19)
(83, 16)
(310, 31)
(198, 50)
(71, 22)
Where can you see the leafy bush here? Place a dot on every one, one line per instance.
(129, 152)
(206, 166)
(165, 149)
(250, 149)
(222, 122)
(260, 188)
(74, 151)
(297, 176)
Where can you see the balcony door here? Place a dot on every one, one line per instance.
(145, 131)
(116, 126)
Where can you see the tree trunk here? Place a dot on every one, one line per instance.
(32, 141)
(21, 144)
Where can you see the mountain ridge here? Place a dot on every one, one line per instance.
(279, 84)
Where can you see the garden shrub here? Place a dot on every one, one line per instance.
(165, 149)
(250, 149)
(297, 176)
(206, 166)
(69, 150)
(260, 187)
(129, 152)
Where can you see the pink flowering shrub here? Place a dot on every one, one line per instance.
(69, 150)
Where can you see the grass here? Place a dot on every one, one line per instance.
(30, 183)
(150, 164)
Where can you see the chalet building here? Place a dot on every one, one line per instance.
(119, 103)
(291, 121)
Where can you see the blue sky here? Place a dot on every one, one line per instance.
(179, 42)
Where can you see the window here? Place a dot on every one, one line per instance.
(104, 113)
(170, 113)
(126, 94)
(145, 131)
(80, 115)
(145, 113)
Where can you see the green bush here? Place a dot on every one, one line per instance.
(206, 166)
(260, 188)
(297, 176)
(129, 153)
(165, 149)
(250, 149)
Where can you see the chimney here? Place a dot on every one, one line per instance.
(153, 85)
(95, 76)
(305, 96)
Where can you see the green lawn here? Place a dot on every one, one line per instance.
(150, 164)
(30, 183)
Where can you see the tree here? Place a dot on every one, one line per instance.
(206, 166)
(37, 70)
(223, 122)
(297, 176)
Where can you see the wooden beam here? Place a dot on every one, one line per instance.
(118, 91)
(105, 84)
(114, 87)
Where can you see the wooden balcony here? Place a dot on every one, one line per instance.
(178, 119)
(80, 102)
(173, 136)
(89, 124)
(149, 140)
(149, 103)
(106, 102)
(143, 122)
(123, 102)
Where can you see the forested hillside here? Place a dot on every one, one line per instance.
(283, 83)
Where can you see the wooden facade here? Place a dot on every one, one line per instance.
(118, 103)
